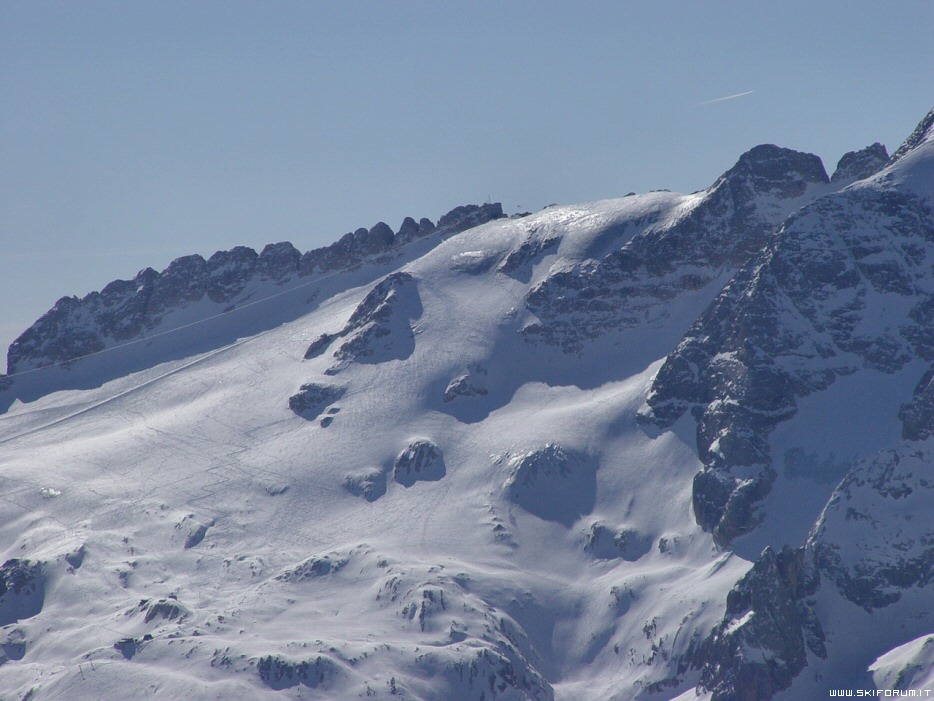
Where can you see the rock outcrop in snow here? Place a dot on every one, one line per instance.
(127, 309)
(721, 490)
(675, 251)
(844, 286)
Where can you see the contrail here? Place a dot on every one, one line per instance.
(728, 97)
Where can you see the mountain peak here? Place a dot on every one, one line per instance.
(782, 171)
(856, 165)
(922, 133)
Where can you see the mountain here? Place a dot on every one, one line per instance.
(658, 447)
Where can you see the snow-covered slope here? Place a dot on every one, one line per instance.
(462, 466)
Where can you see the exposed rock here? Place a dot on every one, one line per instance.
(278, 261)
(318, 566)
(518, 262)
(488, 674)
(22, 590)
(552, 483)
(790, 322)
(12, 645)
(857, 165)
(922, 133)
(608, 543)
(166, 609)
(762, 643)
(380, 327)
(76, 557)
(195, 537)
(410, 230)
(370, 485)
(469, 384)
(319, 345)
(229, 272)
(279, 673)
(909, 667)
(726, 226)
(875, 538)
(420, 461)
(312, 399)
(128, 647)
(124, 309)
(471, 215)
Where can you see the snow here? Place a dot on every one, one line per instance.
(200, 539)
(203, 450)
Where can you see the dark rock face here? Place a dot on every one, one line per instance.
(195, 537)
(767, 630)
(921, 133)
(729, 223)
(380, 327)
(469, 216)
(875, 538)
(791, 321)
(518, 262)
(22, 590)
(229, 272)
(312, 399)
(857, 165)
(420, 461)
(279, 673)
(128, 647)
(469, 384)
(126, 308)
(164, 609)
(278, 261)
(319, 345)
(606, 543)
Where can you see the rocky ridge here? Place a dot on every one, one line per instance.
(712, 233)
(802, 313)
(127, 309)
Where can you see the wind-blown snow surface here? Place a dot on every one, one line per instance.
(429, 481)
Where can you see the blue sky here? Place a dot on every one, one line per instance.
(134, 132)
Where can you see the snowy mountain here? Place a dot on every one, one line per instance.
(659, 447)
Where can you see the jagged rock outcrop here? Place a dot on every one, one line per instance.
(380, 327)
(420, 461)
(875, 539)
(12, 645)
(321, 672)
(767, 630)
(676, 252)
(469, 384)
(922, 133)
(471, 215)
(606, 543)
(312, 399)
(518, 262)
(165, 609)
(857, 165)
(794, 318)
(125, 309)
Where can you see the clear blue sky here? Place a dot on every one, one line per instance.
(135, 132)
